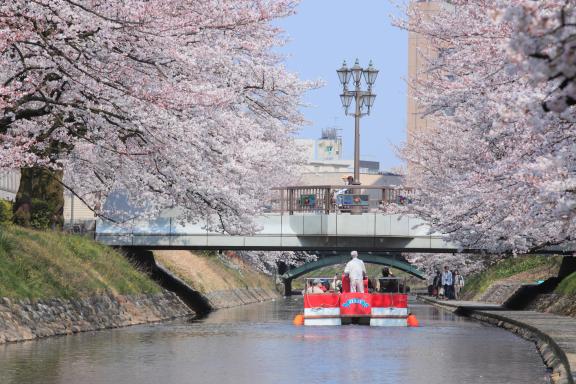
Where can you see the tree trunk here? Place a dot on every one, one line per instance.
(40, 199)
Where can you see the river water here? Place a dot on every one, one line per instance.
(259, 344)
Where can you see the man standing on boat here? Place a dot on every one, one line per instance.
(356, 271)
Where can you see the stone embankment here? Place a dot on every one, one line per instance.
(554, 335)
(31, 319)
(554, 303)
(500, 292)
(220, 282)
(239, 296)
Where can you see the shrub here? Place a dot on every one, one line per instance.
(40, 215)
(568, 285)
(5, 211)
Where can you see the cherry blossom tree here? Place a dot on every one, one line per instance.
(544, 41)
(495, 169)
(466, 264)
(174, 102)
(268, 261)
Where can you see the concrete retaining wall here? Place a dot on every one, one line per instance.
(554, 303)
(31, 319)
(236, 297)
(204, 300)
(500, 292)
(212, 300)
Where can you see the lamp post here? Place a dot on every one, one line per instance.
(363, 99)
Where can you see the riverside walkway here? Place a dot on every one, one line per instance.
(554, 335)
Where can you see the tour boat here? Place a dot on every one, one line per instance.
(386, 308)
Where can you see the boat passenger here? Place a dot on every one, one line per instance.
(386, 272)
(315, 287)
(388, 284)
(333, 283)
(356, 272)
(336, 284)
(370, 286)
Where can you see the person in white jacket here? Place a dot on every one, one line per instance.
(356, 271)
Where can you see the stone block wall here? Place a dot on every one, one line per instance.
(239, 296)
(31, 319)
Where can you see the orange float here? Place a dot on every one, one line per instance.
(412, 321)
(298, 319)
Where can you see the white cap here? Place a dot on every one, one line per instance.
(354, 254)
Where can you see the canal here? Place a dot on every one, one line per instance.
(259, 344)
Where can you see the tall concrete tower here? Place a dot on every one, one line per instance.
(419, 48)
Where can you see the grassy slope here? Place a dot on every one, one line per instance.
(568, 285)
(38, 264)
(206, 272)
(508, 268)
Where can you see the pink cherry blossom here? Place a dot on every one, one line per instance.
(495, 168)
(174, 102)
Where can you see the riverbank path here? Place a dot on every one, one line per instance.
(559, 332)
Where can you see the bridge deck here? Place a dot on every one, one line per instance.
(368, 231)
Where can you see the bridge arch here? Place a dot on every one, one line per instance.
(341, 259)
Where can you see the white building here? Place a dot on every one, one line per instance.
(325, 166)
(329, 146)
(9, 184)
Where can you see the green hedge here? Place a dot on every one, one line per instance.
(5, 211)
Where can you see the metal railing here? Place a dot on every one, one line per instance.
(337, 198)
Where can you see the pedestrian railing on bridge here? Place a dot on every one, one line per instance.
(337, 198)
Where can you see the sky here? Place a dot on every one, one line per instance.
(324, 33)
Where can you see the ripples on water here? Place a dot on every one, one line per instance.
(259, 344)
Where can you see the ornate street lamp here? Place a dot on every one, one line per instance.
(364, 100)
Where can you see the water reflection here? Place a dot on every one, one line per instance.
(258, 343)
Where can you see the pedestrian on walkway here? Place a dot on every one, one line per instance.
(451, 294)
(458, 284)
(436, 284)
(356, 272)
(447, 282)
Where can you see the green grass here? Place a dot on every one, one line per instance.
(45, 264)
(568, 285)
(478, 283)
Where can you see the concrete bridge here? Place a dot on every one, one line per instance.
(335, 231)
(341, 217)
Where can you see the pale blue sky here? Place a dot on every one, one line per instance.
(322, 34)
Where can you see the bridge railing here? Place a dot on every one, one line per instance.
(337, 198)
